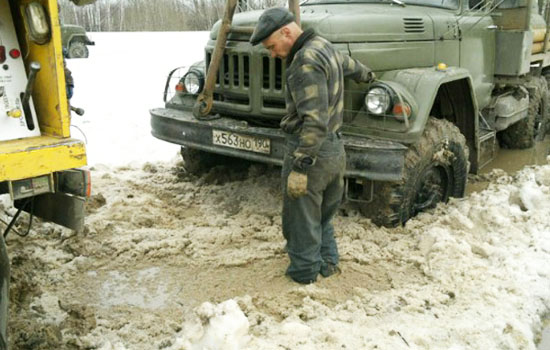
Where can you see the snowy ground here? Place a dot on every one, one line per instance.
(124, 78)
(173, 261)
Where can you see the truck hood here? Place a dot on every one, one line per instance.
(354, 22)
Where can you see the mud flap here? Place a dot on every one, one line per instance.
(4, 290)
(60, 208)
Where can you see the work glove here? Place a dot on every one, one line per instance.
(296, 185)
(371, 77)
(367, 76)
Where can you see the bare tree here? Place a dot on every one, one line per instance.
(147, 15)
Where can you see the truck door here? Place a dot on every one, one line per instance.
(477, 48)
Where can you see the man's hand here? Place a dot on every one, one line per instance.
(370, 77)
(366, 76)
(296, 184)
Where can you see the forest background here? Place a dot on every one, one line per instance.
(157, 15)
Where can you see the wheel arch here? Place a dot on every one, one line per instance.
(454, 102)
(445, 94)
(77, 38)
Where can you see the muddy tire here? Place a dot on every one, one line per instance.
(197, 162)
(546, 76)
(522, 134)
(542, 120)
(77, 49)
(436, 168)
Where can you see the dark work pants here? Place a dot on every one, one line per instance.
(307, 225)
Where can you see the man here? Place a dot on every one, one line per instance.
(313, 169)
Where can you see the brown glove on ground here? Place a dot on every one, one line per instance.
(296, 184)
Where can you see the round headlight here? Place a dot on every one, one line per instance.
(378, 100)
(193, 81)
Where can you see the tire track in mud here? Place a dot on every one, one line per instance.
(159, 242)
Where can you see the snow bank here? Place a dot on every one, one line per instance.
(483, 282)
(119, 83)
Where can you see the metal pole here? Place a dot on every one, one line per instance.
(204, 102)
(547, 19)
(294, 7)
(528, 15)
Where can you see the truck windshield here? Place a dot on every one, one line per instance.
(446, 4)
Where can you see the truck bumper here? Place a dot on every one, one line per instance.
(366, 158)
(44, 168)
(35, 156)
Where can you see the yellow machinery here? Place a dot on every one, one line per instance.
(39, 160)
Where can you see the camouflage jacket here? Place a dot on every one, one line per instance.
(315, 93)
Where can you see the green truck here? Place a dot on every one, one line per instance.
(455, 79)
(75, 41)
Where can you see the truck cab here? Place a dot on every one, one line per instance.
(454, 79)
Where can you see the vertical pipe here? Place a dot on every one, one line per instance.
(204, 101)
(294, 7)
(547, 19)
(528, 15)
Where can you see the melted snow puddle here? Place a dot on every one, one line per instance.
(122, 288)
(513, 160)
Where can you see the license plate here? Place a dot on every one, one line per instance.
(238, 141)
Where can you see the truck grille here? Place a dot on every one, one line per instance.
(259, 90)
(272, 77)
(234, 70)
(413, 25)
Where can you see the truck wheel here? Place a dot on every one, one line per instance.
(546, 76)
(197, 162)
(522, 134)
(542, 120)
(436, 168)
(77, 49)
